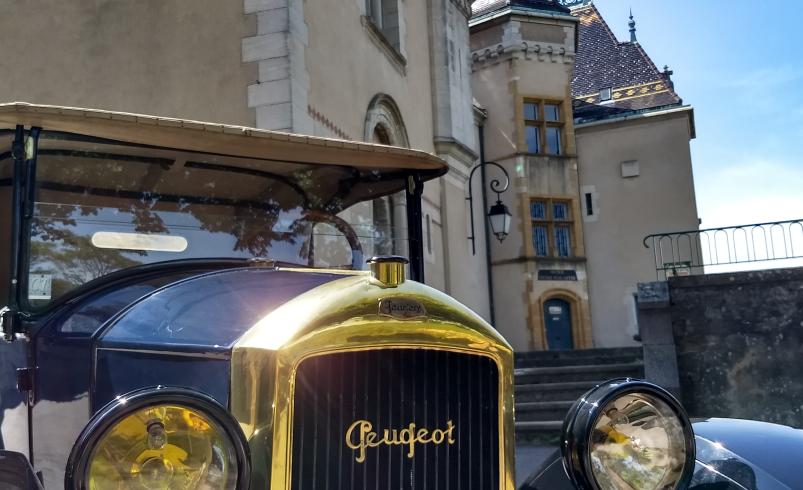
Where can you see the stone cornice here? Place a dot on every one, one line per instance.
(522, 50)
(457, 150)
(636, 117)
(521, 12)
(464, 6)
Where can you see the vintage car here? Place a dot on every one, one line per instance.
(186, 307)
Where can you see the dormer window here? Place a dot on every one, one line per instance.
(605, 94)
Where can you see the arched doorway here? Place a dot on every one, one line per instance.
(558, 324)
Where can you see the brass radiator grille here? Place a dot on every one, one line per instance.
(433, 415)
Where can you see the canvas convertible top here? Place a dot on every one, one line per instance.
(236, 141)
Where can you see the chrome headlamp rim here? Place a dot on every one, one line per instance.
(116, 410)
(586, 411)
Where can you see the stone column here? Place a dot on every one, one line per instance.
(280, 95)
(655, 327)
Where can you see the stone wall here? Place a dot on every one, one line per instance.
(739, 343)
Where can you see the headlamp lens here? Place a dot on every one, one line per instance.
(163, 447)
(637, 443)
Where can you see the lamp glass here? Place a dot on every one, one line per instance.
(637, 442)
(499, 216)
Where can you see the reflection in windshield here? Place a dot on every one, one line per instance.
(214, 206)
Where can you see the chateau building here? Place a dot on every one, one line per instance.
(597, 142)
(592, 134)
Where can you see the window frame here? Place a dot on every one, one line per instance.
(373, 20)
(542, 124)
(552, 224)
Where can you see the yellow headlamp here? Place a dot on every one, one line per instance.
(160, 438)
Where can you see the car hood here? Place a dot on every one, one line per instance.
(207, 312)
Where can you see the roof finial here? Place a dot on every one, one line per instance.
(667, 74)
(632, 25)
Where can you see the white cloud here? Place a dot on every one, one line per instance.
(753, 191)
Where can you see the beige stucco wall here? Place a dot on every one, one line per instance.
(500, 81)
(466, 278)
(347, 69)
(149, 56)
(661, 198)
(520, 57)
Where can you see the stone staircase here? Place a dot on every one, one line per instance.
(548, 382)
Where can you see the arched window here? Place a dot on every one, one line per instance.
(384, 126)
(384, 115)
(381, 135)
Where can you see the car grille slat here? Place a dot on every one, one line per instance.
(393, 388)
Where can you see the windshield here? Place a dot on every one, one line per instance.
(104, 206)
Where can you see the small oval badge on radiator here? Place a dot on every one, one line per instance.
(402, 308)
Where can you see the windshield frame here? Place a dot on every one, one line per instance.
(16, 252)
(24, 176)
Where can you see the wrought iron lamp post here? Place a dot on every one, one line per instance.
(498, 215)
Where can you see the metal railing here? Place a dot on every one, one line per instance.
(689, 252)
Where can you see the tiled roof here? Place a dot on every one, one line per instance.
(603, 62)
(482, 7)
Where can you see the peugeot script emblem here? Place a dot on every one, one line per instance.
(360, 436)
(402, 308)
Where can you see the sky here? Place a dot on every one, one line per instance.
(738, 63)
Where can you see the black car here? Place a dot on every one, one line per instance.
(612, 435)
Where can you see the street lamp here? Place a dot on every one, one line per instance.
(499, 215)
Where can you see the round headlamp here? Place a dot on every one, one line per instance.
(627, 434)
(160, 438)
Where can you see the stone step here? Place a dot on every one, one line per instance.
(579, 353)
(548, 382)
(549, 392)
(591, 372)
(551, 426)
(559, 361)
(542, 411)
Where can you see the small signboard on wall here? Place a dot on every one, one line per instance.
(557, 275)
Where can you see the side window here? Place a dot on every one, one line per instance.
(552, 225)
(385, 16)
(543, 127)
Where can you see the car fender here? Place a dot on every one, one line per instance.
(16, 472)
